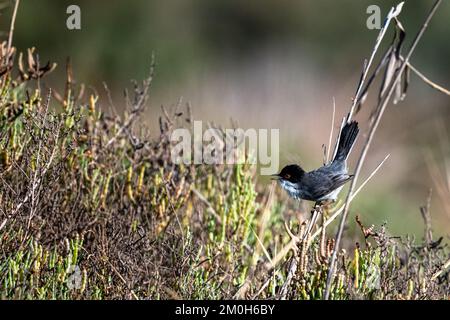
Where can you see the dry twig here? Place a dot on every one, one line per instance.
(380, 111)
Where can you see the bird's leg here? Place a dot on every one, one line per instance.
(315, 215)
(329, 206)
(326, 206)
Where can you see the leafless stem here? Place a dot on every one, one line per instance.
(11, 28)
(137, 107)
(426, 80)
(331, 131)
(425, 211)
(381, 108)
(392, 13)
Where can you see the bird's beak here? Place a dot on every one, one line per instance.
(275, 176)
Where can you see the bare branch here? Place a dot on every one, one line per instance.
(11, 28)
(381, 108)
(426, 80)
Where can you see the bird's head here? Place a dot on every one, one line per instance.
(291, 173)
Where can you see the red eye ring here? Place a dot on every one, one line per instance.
(287, 176)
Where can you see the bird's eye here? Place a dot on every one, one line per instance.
(287, 176)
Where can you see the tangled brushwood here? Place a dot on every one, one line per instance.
(92, 207)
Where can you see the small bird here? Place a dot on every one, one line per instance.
(323, 184)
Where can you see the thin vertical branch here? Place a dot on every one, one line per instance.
(11, 28)
(331, 131)
(381, 108)
(425, 211)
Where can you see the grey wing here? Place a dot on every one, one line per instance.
(325, 182)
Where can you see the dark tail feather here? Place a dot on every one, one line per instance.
(347, 139)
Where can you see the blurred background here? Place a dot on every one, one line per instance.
(268, 64)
